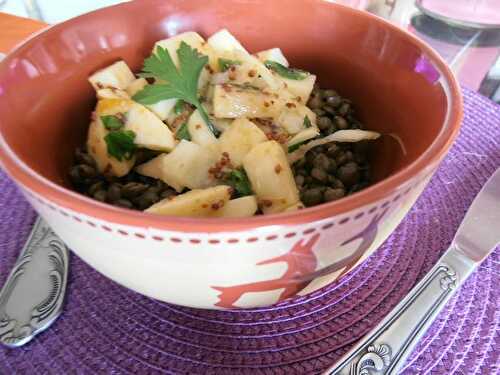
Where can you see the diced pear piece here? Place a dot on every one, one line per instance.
(98, 149)
(271, 177)
(117, 75)
(273, 54)
(300, 88)
(194, 203)
(239, 139)
(303, 136)
(199, 131)
(186, 166)
(234, 102)
(161, 109)
(111, 93)
(239, 207)
(223, 40)
(292, 119)
(173, 43)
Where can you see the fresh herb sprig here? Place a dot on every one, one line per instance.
(307, 122)
(121, 144)
(238, 179)
(179, 107)
(111, 122)
(180, 83)
(282, 70)
(183, 132)
(295, 146)
(225, 64)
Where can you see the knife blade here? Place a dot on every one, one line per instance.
(385, 349)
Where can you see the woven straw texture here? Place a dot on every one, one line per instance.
(106, 328)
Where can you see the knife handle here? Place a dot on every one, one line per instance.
(385, 349)
(33, 295)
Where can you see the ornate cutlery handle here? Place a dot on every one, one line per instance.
(33, 294)
(386, 348)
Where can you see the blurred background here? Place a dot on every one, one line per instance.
(465, 32)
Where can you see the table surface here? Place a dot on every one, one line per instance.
(15, 29)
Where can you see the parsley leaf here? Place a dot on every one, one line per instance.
(121, 144)
(295, 74)
(225, 64)
(179, 107)
(307, 122)
(183, 132)
(181, 83)
(296, 146)
(112, 122)
(238, 179)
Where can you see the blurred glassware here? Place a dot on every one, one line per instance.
(33, 10)
(471, 52)
(465, 32)
(52, 11)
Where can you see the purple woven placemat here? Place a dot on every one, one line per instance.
(108, 329)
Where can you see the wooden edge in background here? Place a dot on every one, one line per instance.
(14, 30)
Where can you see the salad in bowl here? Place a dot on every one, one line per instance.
(207, 129)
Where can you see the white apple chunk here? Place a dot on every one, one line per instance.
(117, 75)
(223, 40)
(303, 136)
(239, 207)
(150, 131)
(292, 119)
(172, 44)
(273, 54)
(194, 40)
(222, 124)
(295, 207)
(111, 93)
(98, 149)
(161, 109)
(300, 88)
(186, 166)
(233, 102)
(271, 177)
(194, 203)
(239, 139)
(199, 131)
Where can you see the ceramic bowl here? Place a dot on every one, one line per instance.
(398, 84)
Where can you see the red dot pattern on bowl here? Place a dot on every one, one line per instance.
(215, 241)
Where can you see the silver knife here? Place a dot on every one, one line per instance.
(33, 295)
(385, 349)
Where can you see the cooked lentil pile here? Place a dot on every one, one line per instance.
(330, 172)
(327, 173)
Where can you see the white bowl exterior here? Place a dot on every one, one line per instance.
(192, 269)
